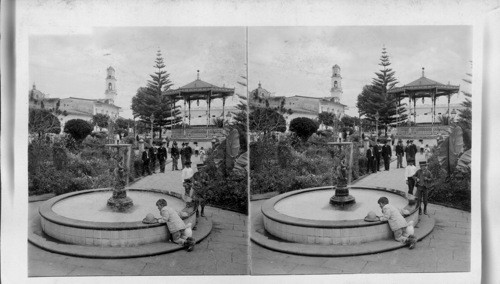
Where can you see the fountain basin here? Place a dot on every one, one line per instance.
(322, 230)
(74, 230)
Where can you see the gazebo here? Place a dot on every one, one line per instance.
(424, 88)
(195, 91)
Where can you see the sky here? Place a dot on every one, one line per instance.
(287, 61)
(298, 60)
(75, 65)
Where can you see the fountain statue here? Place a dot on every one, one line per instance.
(120, 201)
(342, 196)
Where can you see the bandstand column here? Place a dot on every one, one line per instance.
(448, 107)
(208, 117)
(415, 110)
(189, 111)
(184, 118)
(223, 104)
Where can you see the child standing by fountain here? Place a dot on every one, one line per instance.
(180, 233)
(187, 174)
(397, 222)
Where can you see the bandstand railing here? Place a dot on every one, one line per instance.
(421, 131)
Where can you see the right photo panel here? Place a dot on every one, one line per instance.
(360, 149)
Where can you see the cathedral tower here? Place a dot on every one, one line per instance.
(110, 85)
(336, 90)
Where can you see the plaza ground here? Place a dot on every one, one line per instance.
(446, 249)
(223, 252)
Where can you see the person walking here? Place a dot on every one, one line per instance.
(400, 151)
(387, 154)
(174, 153)
(423, 178)
(162, 155)
(146, 162)
(410, 150)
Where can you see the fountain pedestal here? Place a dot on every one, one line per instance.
(342, 197)
(119, 201)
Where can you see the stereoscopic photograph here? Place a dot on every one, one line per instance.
(215, 141)
(360, 149)
(137, 153)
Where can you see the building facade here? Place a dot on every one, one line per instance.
(303, 106)
(80, 108)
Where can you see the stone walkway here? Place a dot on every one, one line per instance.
(224, 251)
(446, 249)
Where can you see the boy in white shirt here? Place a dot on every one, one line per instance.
(410, 170)
(397, 222)
(187, 174)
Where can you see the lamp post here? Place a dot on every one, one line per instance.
(377, 116)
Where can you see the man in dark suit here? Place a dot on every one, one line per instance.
(387, 154)
(370, 165)
(410, 150)
(400, 151)
(174, 154)
(376, 153)
(162, 155)
(182, 153)
(189, 152)
(152, 159)
(145, 162)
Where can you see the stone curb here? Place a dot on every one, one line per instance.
(259, 236)
(37, 238)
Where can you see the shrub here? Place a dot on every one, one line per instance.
(304, 127)
(78, 129)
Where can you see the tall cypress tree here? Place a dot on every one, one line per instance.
(151, 100)
(375, 97)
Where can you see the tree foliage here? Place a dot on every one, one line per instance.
(42, 121)
(375, 98)
(465, 115)
(327, 118)
(100, 120)
(266, 120)
(304, 127)
(78, 129)
(151, 100)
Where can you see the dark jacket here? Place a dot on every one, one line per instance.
(369, 154)
(400, 150)
(411, 150)
(162, 153)
(376, 152)
(152, 155)
(189, 151)
(174, 152)
(145, 157)
(386, 151)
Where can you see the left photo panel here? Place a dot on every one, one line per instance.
(137, 152)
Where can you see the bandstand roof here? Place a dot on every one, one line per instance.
(424, 87)
(199, 90)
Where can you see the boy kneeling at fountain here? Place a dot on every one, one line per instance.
(403, 231)
(180, 233)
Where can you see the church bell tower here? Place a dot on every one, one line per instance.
(110, 85)
(336, 90)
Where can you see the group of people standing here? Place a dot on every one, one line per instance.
(421, 177)
(151, 155)
(377, 153)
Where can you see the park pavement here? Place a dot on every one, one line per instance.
(223, 252)
(446, 249)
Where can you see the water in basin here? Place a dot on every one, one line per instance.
(314, 205)
(92, 206)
